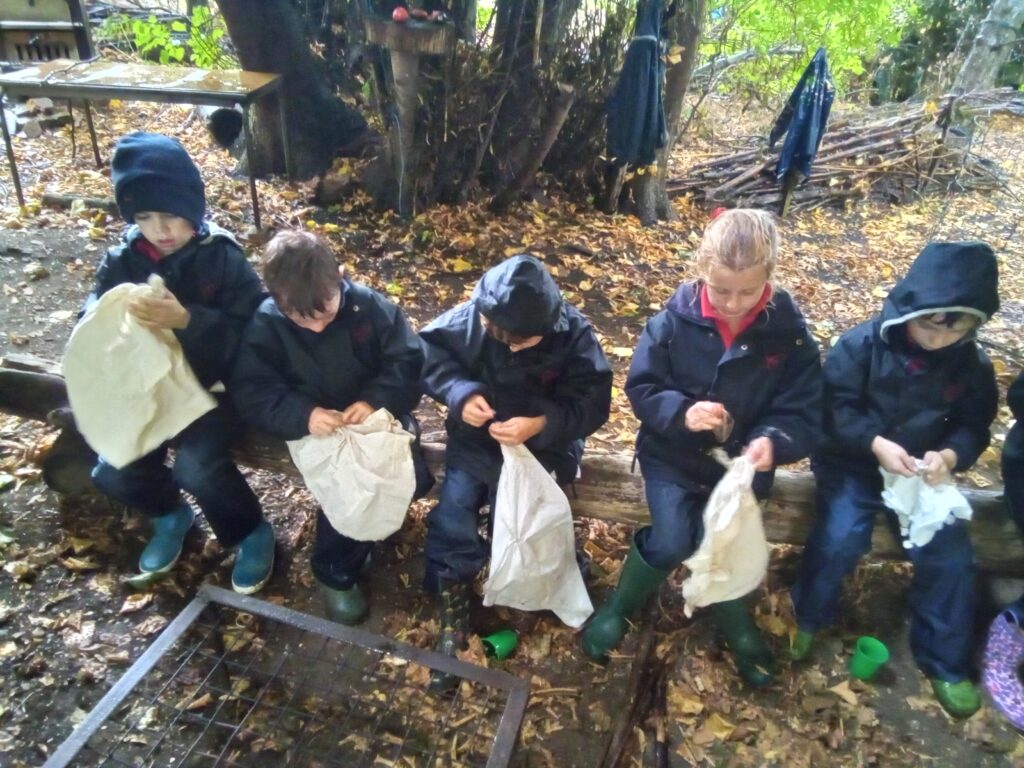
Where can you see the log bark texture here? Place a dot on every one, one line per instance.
(607, 490)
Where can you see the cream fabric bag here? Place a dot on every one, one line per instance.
(533, 554)
(130, 387)
(922, 509)
(362, 475)
(732, 559)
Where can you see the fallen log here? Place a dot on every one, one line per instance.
(607, 490)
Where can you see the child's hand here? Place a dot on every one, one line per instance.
(477, 411)
(160, 312)
(357, 412)
(705, 415)
(761, 453)
(937, 466)
(518, 430)
(893, 458)
(323, 421)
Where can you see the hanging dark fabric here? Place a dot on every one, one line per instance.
(636, 110)
(804, 118)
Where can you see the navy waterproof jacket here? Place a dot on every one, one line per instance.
(565, 378)
(368, 352)
(878, 383)
(213, 281)
(769, 380)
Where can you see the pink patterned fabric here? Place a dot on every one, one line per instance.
(1004, 653)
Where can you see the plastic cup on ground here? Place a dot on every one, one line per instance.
(868, 657)
(501, 644)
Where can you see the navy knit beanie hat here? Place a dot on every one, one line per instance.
(152, 172)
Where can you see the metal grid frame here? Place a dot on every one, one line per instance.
(147, 691)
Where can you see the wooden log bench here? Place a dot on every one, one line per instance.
(607, 490)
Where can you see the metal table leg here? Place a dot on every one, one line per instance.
(92, 133)
(252, 168)
(10, 157)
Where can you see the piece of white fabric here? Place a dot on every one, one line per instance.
(733, 556)
(362, 475)
(922, 509)
(129, 386)
(533, 552)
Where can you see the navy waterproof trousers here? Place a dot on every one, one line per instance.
(942, 590)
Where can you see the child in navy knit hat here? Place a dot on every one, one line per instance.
(211, 292)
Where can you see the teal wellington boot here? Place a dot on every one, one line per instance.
(753, 657)
(608, 626)
(454, 615)
(169, 531)
(345, 606)
(254, 561)
(960, 699)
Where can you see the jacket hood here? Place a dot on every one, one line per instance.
(945, 277)
(520, 296)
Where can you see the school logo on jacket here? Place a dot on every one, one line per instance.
(207, 290)
(774, 361)
(953, 391)
(362, 333)
(548, 377)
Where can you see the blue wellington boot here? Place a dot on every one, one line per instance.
(169, 531)
(254, 561)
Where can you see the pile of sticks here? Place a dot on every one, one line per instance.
(895, 154)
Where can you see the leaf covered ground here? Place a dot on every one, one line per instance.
(69, 624)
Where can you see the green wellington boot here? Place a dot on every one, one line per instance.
(345, 606)
(960, 699)
(753, 657)
(254, 561)
(608, 626)
(453, 604)
(801, 646)
(169, 531)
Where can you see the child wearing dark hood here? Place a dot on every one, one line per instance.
(211, 292)
(913, 393)
(728, 363)
(514, 365)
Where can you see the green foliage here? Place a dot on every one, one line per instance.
(197, 41)
(853, 32)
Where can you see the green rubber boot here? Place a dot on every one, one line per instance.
(345, 606)
(801, 646)
(453, 604)
(960, 699)
(164, 548)
(254, 561)
(608, 626)
(753, 657)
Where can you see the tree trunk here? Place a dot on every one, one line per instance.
(649, 191)
(269, 37)
(992, 46)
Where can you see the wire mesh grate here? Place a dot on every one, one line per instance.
(235, 681)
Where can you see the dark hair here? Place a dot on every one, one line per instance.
(301, 272)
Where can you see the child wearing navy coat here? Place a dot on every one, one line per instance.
(514, 365)
(729, 363)
(211, 292)
(909, 391)
(321, 353)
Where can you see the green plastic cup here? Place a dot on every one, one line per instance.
(501, 644)
(868, 657)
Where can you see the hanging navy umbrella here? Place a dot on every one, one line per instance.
(803, 121)
(636, 112)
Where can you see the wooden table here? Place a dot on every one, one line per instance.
(87, 81)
